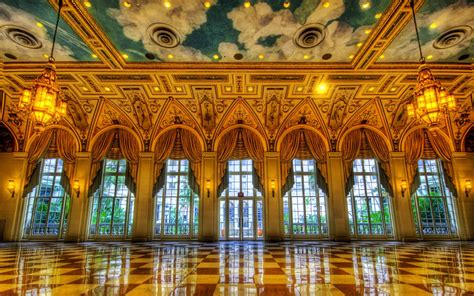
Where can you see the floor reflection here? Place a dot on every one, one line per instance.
(233, 268)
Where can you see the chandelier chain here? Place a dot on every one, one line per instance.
(56, 27)
(412, 5)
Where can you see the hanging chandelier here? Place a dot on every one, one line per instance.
(430, 101)
(43, 101)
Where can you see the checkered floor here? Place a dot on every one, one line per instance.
(237, 268)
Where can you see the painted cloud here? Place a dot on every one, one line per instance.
(184, 15)
(11, 16)
(405, 47)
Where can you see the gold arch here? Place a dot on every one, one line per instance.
(463, 138)
(163, 131)
(366, 126)
(254, 130)
(15, 140)
(295, 127)
(116, 126)
(446, 137)
(71, 132)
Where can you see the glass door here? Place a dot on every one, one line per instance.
(241, 205)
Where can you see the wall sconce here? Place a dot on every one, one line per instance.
(272, 185)
(404, 187)
(208, 187)
(76, 187)
(11, 187)
(467, 187)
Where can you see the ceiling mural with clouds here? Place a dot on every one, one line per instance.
(446, 30)
(228, 31)
(26, 33)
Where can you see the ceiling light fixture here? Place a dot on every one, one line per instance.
(43, 101)
(286, 4)
(430, 101)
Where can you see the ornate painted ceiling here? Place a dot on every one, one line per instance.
(331, 64)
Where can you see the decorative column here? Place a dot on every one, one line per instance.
(403, 222)
(208, 205)
(144, 205)
(338, 217)
(79, 206)
(273, 203)
(12, 209)
(463, 166)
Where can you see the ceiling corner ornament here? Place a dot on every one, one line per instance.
(43, 102)
(431, 101)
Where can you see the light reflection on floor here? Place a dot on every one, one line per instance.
(232, 268)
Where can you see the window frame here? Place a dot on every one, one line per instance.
(382, 194)
(320, 234)
(35, 195)
(130, 208)
(162, 195)
(444, 195)
(256, 198)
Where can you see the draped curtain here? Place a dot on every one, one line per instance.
(189, 149)
(292, 145)
(227, 150)
(418, 150)
(351, 148)
(129, 148)
(39, 148)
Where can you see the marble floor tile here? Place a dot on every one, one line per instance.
(237, 268)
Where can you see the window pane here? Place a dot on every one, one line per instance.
(47, 205)
(432, 205)
(368, 203)
(112, 214)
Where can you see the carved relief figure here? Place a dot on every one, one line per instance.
(141, 112)
(337, 113)
(272, 119)
(78, 116)
(208, 113)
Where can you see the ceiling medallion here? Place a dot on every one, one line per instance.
(452, 37)
(43, 101)
(164, 35)
(430, 101)
(309, 35)
(21, 36)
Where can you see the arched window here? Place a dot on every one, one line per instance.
(368, 202)
(303, 170)
(176, 188)
(432, 202)
(368, 187)
(430, 173)
(113, 173)
(177, 206)
(241, 204)
(304, 206)
(51, 161)
(113, 203)
(47, 208)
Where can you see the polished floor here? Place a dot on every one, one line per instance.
(233, 268)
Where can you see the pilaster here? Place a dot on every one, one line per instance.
(273, 203)
(144, 205)
(403, 222)
(79, 206)
(208, 206)
(338, 217)
(463, 167)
